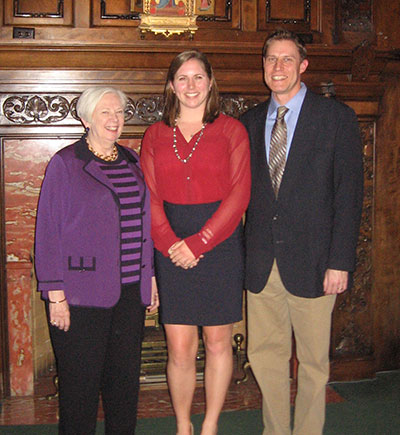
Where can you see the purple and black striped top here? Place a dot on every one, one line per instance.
(127, 191)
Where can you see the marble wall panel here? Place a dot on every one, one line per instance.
(19, 327)
(24, 165)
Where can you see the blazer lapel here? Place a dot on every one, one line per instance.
(261, 161)
(133, 164)
(303, 140)
(93, 169)
(139, 179)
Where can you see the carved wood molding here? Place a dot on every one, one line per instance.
(21, 14)
(306, 19)
(105, 16)
(362, 59)
(352, 324)
(356, 15)
(45, 109)
(48, 109)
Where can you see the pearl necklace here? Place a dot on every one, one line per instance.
(110, 158)
(194, 146)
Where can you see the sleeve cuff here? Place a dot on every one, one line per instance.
(163, 248)
(196, 245)
(46, 286)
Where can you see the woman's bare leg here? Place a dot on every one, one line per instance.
(182, 342)
(218, 373)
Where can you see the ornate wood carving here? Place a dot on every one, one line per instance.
(149, 109)
(58, 13)
(41, 109)
(44, 109)
(236, 105)
(356, 15)
(363, 58)
(328, 89)
(352, 318)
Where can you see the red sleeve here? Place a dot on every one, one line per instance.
(161, 231)
(228, 215)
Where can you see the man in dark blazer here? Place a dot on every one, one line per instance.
(301, 237)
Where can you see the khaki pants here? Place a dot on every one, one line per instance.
(271, 316)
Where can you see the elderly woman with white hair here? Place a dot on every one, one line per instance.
(94, 264)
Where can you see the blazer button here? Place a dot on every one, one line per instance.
(144, 240)
(143, 266)
(275, 218)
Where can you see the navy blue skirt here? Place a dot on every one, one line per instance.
(210, 293)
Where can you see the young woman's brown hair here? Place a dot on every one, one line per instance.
(171, 105)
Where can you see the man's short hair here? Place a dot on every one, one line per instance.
(282, 35)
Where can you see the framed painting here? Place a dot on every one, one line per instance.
(168, 17)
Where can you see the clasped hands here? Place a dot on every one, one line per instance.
(181, 255)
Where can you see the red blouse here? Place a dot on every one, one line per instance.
(219, 169)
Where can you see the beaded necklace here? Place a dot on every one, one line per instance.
(194, 146)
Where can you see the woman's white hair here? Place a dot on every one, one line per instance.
(91, 96)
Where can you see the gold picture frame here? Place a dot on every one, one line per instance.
(168, 17)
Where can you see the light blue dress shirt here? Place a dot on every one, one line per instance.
(291, 117)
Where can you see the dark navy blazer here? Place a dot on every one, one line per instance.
(314, 223)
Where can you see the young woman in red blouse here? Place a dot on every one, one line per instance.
(197, 166)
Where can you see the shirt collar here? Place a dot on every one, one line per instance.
(293, 104)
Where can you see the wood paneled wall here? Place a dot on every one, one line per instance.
(385, 299)
(354, 53)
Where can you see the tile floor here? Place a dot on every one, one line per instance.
(154, 401)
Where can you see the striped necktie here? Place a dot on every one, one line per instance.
(277, 150)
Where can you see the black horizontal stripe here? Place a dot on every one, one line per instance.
(128, 274)
(130, 262)
(120, 175)
(130, 251)
(132, 228)
(126, 184)
(127, 194)
(132, 205)
(132, 240)
(115, 167)
(131, 217)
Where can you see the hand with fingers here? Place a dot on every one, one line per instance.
(155, 301)
(181, 255)
(59, 310)
(335, 281)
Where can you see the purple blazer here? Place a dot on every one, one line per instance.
(77, 243)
